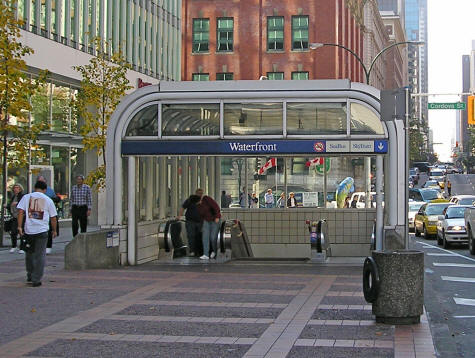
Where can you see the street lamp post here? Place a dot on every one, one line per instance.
(367, 71)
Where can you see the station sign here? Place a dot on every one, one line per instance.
(251, 147)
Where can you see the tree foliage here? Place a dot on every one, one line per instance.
(103, 85)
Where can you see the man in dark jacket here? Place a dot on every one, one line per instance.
(12, 208)
(193, 223)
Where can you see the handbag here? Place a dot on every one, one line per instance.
(27, 243)
(7, 225)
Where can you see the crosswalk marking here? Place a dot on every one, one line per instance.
(438, 254)
(450, 252)
(458, 279)
(451, 264)
(464, 316)
(464, 301)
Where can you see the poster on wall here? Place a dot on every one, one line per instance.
(310, 199)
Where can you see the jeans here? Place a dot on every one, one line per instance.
(193, 230)
(79, 213)
(35, 261)
(210, 234)
(14, 232)
(269, 205)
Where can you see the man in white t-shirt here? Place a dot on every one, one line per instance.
(37, 209)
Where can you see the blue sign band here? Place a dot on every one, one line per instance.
(229, 147)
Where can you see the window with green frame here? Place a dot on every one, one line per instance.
(299, 32)
(224, 34)
(200, 35)
(200, 77)
(275, 33)
(225, 76)
(300, 75)
(275, 75)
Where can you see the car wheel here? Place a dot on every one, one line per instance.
(426, 234)
(445, 244)
(471, 242)
(439, 239)
(416, 232)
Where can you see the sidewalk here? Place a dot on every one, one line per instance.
(224, 310)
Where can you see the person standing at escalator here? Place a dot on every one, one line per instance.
(193, 223)
(210, 213)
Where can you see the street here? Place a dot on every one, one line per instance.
(450, 286)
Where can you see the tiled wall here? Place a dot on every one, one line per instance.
(147, 241)
(349, 230)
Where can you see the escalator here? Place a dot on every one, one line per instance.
(232, 242)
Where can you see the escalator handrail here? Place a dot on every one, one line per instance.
(221, 237)
(246, 242)
(166, 232)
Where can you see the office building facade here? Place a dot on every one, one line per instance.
(148, 33)
(228, 40)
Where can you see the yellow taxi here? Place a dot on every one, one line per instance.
(427, 217)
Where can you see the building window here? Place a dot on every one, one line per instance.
(200, 35)
(300, 75)
(224, 76)
(275, 75)
(200, 77)
(225, 34)
(275, 33)
(299, 32)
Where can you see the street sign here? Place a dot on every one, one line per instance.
(320, 169)
(457, 105)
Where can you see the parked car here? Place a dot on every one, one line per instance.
(469, 218)
(462, 199)
(414, 207)
(424, 194)
(451, 226)
(427, 217)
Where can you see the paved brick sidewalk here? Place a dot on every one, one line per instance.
(229, 310)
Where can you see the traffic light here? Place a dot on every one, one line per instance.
(471, 109)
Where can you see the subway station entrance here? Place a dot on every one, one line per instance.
(323, 141)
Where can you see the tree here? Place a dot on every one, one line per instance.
(103, 85)
(16, 89)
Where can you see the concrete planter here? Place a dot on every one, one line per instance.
(401, 293)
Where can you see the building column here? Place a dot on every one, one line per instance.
(185, 178)
(174, 187)
(217, 176)
(367, 181)
(131, 220)
(163, 190)
(194, 174)
(149, 189)
(203, 174)
(211, 178)
(379, 202)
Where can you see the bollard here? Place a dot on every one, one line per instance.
(400, 293)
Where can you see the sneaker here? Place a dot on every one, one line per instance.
(191, 254)
(36, 284)
(21, 251)
(204, 257)
(48, 250)
(12, 250)
(213, 255)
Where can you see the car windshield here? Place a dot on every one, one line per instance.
(415, 207)
(436, 209)
(430, 194)
(436, 173)
(455, 213)
(467, 201)
(431, 183)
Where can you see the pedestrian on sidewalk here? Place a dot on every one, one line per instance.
(210, 214)
(269, 198)
(81, 204)
(13, 210)
(52, 195)
(37, 209)
(193, 223)
(449, 187)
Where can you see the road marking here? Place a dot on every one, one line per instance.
(464, 301)
(437, 254)
(451, 264)
(458, 279)
(464, 316)
(448, 251)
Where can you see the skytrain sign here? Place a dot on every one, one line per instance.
(251, 147)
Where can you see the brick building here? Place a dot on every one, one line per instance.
(246, 39)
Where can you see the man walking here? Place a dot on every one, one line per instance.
(37, 209)
(81, 204)
(52, 195)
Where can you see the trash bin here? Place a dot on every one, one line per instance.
(393, 281)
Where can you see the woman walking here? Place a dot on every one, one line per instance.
(12, 208)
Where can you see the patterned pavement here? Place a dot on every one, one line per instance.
(228, 310)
